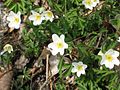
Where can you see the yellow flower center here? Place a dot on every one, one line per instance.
(109, 57)
(88, 2)
(16, 20)
(59, 45)
(49, 14)
(38, 17)
(80, 67)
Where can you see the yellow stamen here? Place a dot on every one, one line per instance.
(109, 57)
(16, 20)
(38, 17)
(88, 2)
(59, 45)
(49, 14)
(80, 67)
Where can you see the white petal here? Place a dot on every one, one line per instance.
(31, 17)
(109, 65)
(100, 53)
(55, 38)
(17, 26)
(51, 46)
(94, 4)
(116, 53)
(85, 66)
(61, 51)
(74, 70)
(33, 12)
(51, 19)
(110, 51)
(83, 72)
(54, 52)
(18, 13)
(12, 13)
(118, 39)
(80, 63)
(10, 18)
(11, 25)
(79, 73)
(116, 62)
(62, 37)
(75, 64)
(65, 45)
(37, 22)
(102, 62)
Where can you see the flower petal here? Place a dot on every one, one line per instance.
(17, 26)
(116, 62)
(54, 52)
(74, 70)
(85, 66)
(79, 73)
(74, 64)
(83, 72)
(55, 38)
(11, 25)
(116, 53)
(109, 65)
(62, 37)
(52, 46)
(18, 13)
(61, 51)
(31, 17)
(80, 63)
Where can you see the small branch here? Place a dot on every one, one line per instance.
(98, 41)
(47, 73)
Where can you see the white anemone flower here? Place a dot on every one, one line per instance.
(118, 39)
(36, 18)
(14, 19)
(58, 44)
(79, 68)
(90, 3)
(48, 15)
(110, 58)
(8, 48)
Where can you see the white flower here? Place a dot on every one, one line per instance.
(118, 39)
(36, 18)
(8, 48)
(110, 58)
(58, 44)
(79, 68)
(48, 15)
(14, 19)
(90, 3)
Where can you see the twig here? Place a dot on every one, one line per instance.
(47, 72)
(47, 56)
(98, 41)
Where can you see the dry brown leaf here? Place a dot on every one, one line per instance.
(54, 61)
(5, 80)
(21, 62)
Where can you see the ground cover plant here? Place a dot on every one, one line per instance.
(59, 44)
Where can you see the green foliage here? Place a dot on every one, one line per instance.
(87, 32)
(19, 5)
